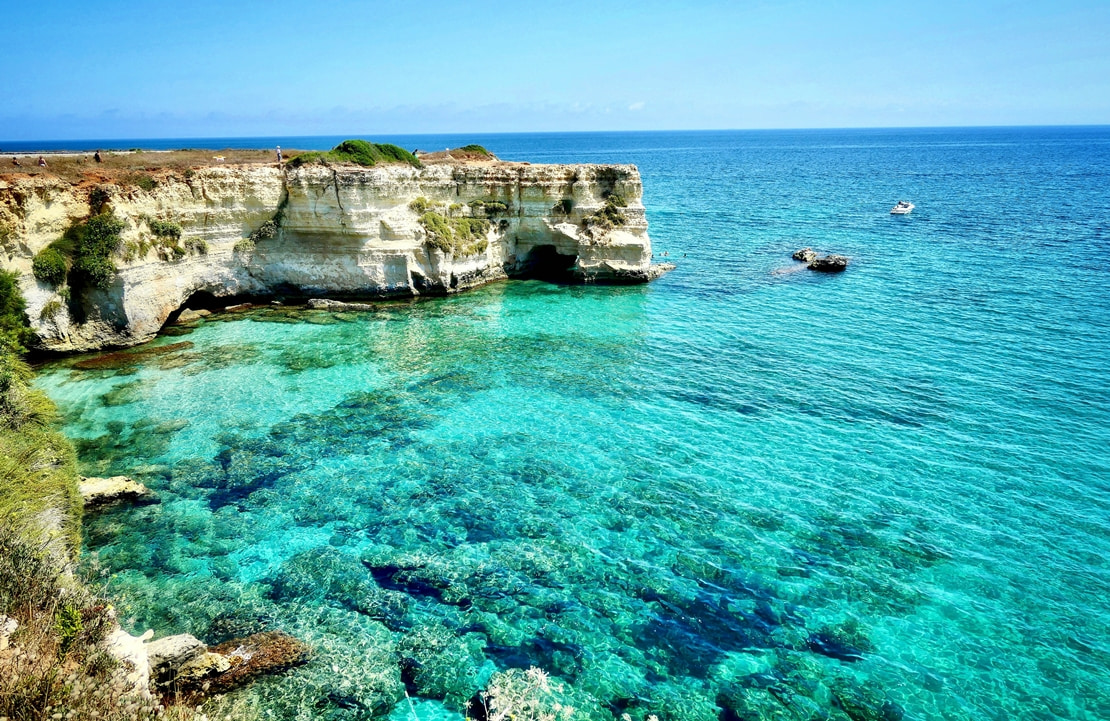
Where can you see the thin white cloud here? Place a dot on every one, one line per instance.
(638, 105)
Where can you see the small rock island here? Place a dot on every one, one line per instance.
(821, 263)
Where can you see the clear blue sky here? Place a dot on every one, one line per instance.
(88, 69)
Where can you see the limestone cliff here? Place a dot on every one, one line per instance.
(339, 230)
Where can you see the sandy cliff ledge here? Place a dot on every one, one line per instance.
(340, 230)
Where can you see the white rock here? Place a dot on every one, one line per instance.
(8, 626)
(101, 491)
(132, 654)
(169, 654)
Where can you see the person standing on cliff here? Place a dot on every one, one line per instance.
(96, 157)
(279, 154)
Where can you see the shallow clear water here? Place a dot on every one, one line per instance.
(739, 492)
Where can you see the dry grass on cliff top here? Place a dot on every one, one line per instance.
(122, 165)
(129, 167)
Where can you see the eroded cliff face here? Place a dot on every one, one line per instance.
(339, 230)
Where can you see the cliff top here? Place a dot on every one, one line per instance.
(136, 167)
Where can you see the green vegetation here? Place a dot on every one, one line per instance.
(83, 254)
(61, 669)
(38, 468)
(265, 231)
(476, 149)
(51, 309)
(458, 236)
(616, 199)
(453, 233)
(86, 248)
(164, 228)
(609, 216)
(140, 180)
(15, 332)
(98, 198)
(196, 245)
(50, 266)
(359, 152)
(94, 243)
(489, 208)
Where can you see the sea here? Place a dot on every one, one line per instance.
(744, 491)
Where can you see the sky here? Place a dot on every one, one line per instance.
(108, 69)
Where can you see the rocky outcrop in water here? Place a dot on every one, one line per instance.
(821, 264)
(321, 230)
(829, 264)
(182, 666)
(805, 255)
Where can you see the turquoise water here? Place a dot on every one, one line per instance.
(740, 492)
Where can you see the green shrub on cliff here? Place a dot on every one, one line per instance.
(458, 236)
(140, 180)
(50, 266)
(164, 228)
(608, 217)
(488, 208)
(359, 152)
(421, 205)
(15, 331)
(95, 242)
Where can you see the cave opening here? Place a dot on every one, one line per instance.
(545, 262)
(203, 300)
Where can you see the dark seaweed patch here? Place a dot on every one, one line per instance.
(127, 358)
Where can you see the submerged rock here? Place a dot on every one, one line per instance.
(326, 304)
(829, 645)
(103, 491)
(263, 653)
(190, 316)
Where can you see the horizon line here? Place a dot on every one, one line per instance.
(554, 132)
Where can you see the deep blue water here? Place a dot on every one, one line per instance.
(739, 492)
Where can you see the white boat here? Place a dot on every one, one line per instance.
(903, 208)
